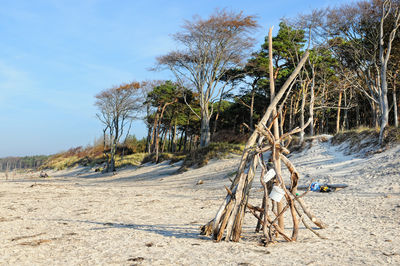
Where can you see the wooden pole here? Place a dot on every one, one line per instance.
(253, 138)
(281, 221)
(338, 112)
(231, 213)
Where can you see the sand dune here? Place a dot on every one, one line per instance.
(151, 216)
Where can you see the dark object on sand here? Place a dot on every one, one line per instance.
(325, 187)
(43, 175)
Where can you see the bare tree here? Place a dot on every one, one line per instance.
(361, 37)
(210, 47)
(384, 55)
(117, 107)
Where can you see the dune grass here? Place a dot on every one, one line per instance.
(200, 156)
(364, 137)
(195, 158)
(219, 150)
(135, 159)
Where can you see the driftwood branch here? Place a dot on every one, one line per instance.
(227, 223)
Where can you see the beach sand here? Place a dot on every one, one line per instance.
(151, 215)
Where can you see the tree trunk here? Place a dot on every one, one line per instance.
(385, 111)
(164, 138)
(112, 159)
(205, 130)
(251, 125)
(374, 114)
(190, 142)
(114, 145)
(156, 143)
(291, 113)
(395, 110)
(338, 112)
(303, 104)
(158, 128)
(148, 139)
(105, 150)
(358, 118)
(323, 111)
(155, 128)
(174, 140)
(185, 139)
(345, 116)
(180, 141)
(281, 220)
(312, 100)
(218, 112)
(384, 56)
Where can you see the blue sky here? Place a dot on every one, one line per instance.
(56, 55)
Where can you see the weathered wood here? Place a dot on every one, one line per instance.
(294, 174)
(220, 212)
(225, 220)
(253, 138)
(233, 231)
(229, 218)
(295, 222)
(277, 162)
(238, 199)
(258, 226)
(310, 214)
(306, 224)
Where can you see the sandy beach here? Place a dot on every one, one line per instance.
(151, 215)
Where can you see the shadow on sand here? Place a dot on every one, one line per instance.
(190, 231)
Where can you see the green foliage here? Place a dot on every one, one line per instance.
(287, 49)
(177, 112)
(164, 93)
(134, 145)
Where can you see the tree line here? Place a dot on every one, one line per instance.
(222, 89)
(27, 162)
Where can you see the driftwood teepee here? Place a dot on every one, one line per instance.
(229, 218)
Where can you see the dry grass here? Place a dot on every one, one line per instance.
(135, 159)
(199, 157)
(90, 156)
(363, 137)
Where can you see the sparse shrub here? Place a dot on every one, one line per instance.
(134, 145)
(130, 160)
(355, 136)
(391, 136)
(201, 157)
(92, 156)
(362, 138)
(229, 136)
(165, 156)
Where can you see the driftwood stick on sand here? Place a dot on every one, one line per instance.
(229, 218)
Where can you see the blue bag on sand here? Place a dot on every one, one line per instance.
(315, 186)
